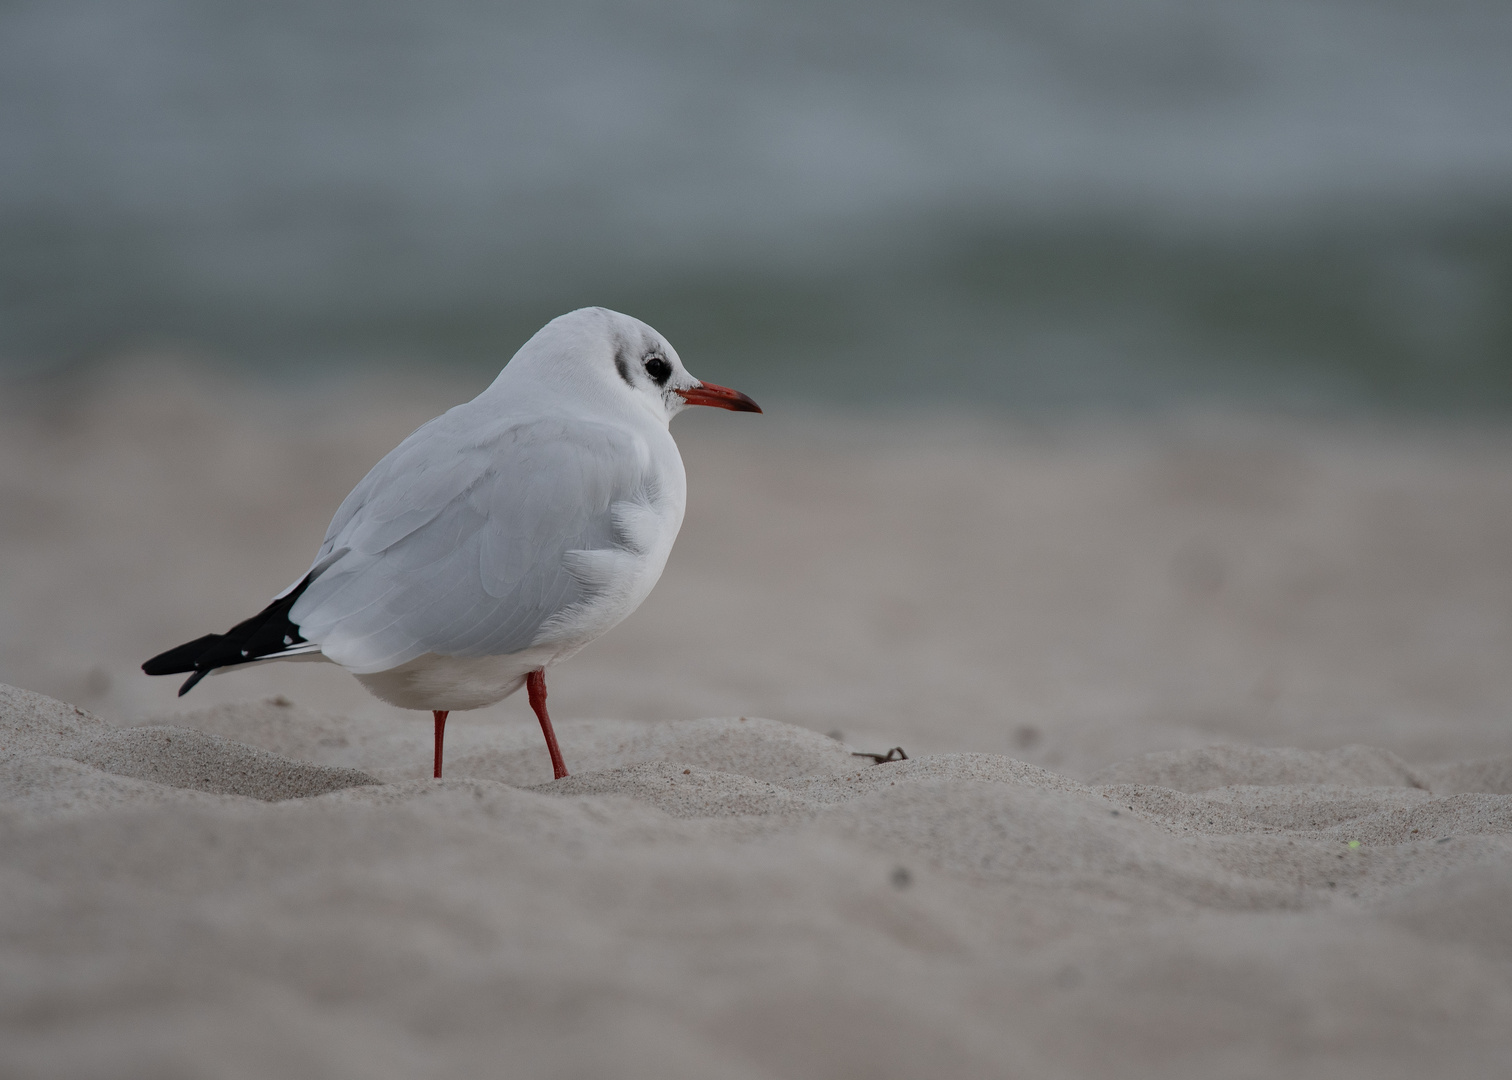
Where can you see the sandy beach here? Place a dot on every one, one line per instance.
(1209, 724)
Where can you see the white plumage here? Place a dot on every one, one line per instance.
(501, 537)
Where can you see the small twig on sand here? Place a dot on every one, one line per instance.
(895, 754)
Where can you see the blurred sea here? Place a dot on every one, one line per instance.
(1295, 204)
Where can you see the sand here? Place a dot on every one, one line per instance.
(1210, 765)
(733, 897)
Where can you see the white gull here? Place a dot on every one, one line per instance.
(499, 538)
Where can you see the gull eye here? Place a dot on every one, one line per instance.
(659, 370)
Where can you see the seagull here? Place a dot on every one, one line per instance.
(499, 538)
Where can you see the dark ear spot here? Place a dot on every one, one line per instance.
(622, 366)
(659, 368)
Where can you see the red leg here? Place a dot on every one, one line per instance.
(440, 715)
(535, 685)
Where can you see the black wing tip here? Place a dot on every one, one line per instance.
(264, 634)
(181, 658)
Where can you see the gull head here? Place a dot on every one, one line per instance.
(604, 360)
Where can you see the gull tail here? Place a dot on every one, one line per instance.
(267, 635)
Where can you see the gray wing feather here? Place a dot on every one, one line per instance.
(458, 543)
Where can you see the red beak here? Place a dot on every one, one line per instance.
(720, 397)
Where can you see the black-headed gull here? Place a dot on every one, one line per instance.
(498, 539)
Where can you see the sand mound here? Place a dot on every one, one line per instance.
(750, 747)
(33, 724)
(278, 726)
(187, 758)
(684, 792)
(1492, 776)
(863, 777)
(730, 898)
(33, 727)
(53, 788)
(760, 749)
(1226, 766)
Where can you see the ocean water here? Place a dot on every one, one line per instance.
(1036, 205)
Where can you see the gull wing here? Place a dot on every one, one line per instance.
(458, 541)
